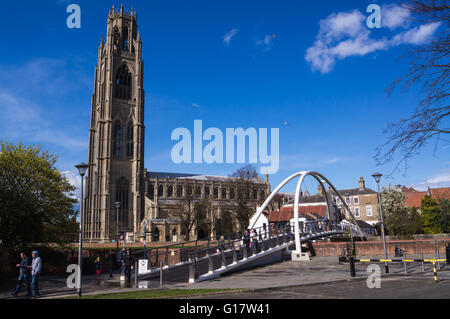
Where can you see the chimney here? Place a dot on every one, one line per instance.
(319, 190)
(362, 184)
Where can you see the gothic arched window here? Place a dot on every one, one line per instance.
(125, 39)
(155, 234)
(170, 191)
(151, 191)
(160, 190)
(180, 191)
(206, 191)
(130, 145)
(263, 195)
(123, 83)
(216, 192)
(122, 197)
(117, 136)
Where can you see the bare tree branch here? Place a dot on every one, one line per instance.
(430, 68)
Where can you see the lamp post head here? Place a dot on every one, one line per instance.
(82, 168)
(117, 204)
(377, 177)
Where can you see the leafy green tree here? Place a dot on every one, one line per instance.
(406, 221)
(431, 215)
(36, 200)
(393, 202)
(398, 219)
(444, 208)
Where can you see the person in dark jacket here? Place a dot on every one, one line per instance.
(110, 260)
(24, 275)
(128, 261)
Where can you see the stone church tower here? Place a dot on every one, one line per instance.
(116, 134)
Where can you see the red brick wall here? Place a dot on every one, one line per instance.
(376, 247)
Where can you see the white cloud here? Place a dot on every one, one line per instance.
(445, 178)
(441, 180)
(196, 105)
(75, 180)
(393, 16)
(333, 160)
(22, 119)
(229, 35)
(418, 35)
(345, 34)
(266, 42)
(27, 98)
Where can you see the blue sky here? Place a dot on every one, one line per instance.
(230, 64)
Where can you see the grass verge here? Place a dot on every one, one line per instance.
(149, 294)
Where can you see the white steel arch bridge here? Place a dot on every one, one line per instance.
(203, 263)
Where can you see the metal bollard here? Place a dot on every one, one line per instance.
(404, 263)
(423, 264)
(447, 252)
(352, 266)
(435, 271)
(167, 256)
(136, 274)
(160, 274)
(438, 257)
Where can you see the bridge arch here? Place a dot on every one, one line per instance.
(302, 174)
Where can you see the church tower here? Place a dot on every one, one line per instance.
(116, 134)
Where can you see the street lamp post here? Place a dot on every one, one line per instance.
(117, 204)
(347, 201)
(377, 177)
(82, 168)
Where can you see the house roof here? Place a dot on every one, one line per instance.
(356, 191)
(198, 177)
(286, 213)
(309, 199)
(414, 198)
(363, 224)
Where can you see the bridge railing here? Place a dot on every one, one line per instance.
(266, 237)
(243, 248)
(180, 252)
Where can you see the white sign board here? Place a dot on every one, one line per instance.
(143, 264)
(143, 284)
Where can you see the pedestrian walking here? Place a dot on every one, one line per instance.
(128, 261)
(254, 239)
(110, 261)
(36, 266)
(220, 243)
(247, 238)
(72, 259)
(98, 266)
(24, 275)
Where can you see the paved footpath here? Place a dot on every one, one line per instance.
(278, 280)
